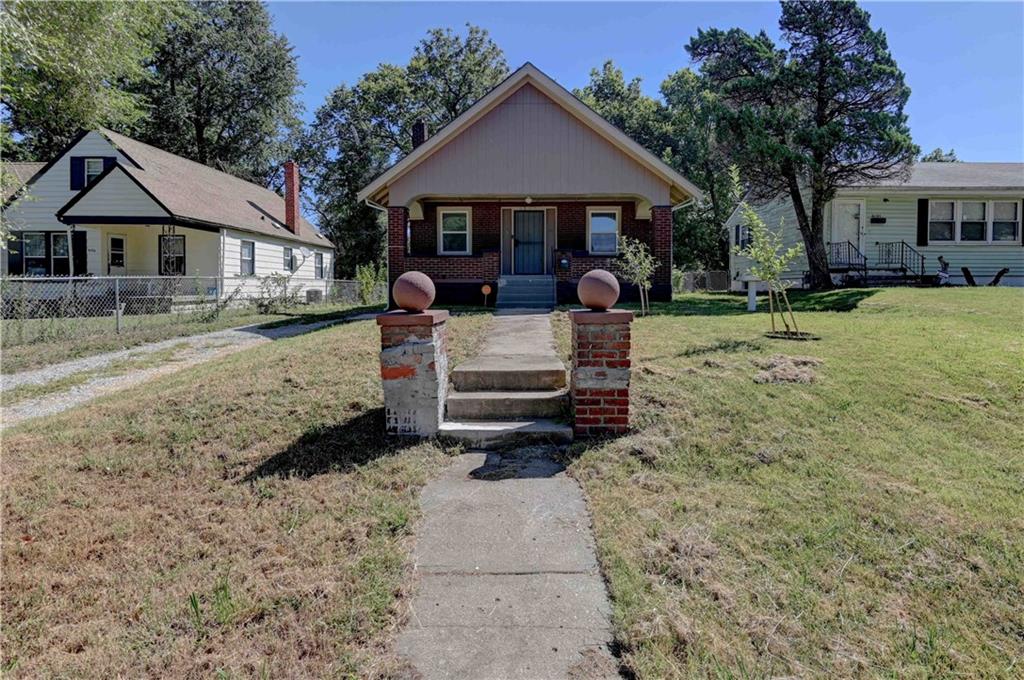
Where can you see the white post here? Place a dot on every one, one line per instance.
(117, 303)
(751, 296)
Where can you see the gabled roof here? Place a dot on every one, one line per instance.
(988, 176)
(191, 192)
(17, 175)
(528, 73)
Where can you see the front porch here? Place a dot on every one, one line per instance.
(892, 262)
(528, 251)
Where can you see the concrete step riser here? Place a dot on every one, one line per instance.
(507, 381)
(497, 406)
(491, 435)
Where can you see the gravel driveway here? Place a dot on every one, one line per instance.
(184, 352)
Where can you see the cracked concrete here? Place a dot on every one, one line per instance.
(508, 581)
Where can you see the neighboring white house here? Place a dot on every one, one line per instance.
(109, 205)
(969, 213)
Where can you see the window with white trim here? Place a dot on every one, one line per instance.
(60, 254)
(603, 226)
(454, 229)
(744, 237)
(973, 221)
(942, 221)
(1005, 220)
(289, 260)
(247, 252)
(34, 244)
(318, 268)
(93, 169)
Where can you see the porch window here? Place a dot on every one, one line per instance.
(60, 254)
(172, 255)
(248, 255)
(35, 253)
(319, 265)
(93, 169)
(289, 260)
(116, 254)
(453, 232)
(1005, 221)
(603, 230)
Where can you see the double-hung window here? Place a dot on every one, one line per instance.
(603, 226)
(60, 254)
(973, 221)
(34, 244)
(454, 231)
(743, 236)
(1006, 220)
(289, 260)
(93, 169)
(248, 257)
(318, 261)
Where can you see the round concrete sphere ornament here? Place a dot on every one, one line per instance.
(413, 291)
(598, 289)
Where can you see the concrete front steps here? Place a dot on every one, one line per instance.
(526, 292)
(499, 400)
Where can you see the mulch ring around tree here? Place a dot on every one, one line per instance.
(792, 335)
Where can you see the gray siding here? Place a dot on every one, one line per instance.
(117, 195)
(528, 145)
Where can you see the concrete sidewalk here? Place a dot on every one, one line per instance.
(508, 582)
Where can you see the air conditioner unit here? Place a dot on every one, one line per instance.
(314, 295)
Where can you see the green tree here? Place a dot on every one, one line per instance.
(72, 65)
(937, 155)
(637, 266)
(224, 90)
(700, 239)
(681, 130)
(822, 113)
(362, 129)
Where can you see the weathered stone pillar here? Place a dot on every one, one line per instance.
(414, 370)
(600, 371)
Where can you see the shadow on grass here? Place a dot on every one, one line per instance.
(337, 448)
(727, 304)
(306, 318)
(723, 345)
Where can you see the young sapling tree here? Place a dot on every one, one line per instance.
(637, 266)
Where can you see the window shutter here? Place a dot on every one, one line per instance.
(922, 221)
(108, 162)
(77, 172)
(79, 253)
(15, 252)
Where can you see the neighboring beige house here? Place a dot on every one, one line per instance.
(969, 213)
(109, 205)
(525, 192)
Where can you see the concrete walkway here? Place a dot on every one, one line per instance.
(189, 351)
(508, 582)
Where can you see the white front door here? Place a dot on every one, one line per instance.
(116, 254)
(847, 222)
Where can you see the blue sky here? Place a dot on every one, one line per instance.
(964, 62)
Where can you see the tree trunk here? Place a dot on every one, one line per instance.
(812, 231)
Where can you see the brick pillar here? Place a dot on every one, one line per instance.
(398, 218)
(661, 231)
(414, 370)
(600, 371)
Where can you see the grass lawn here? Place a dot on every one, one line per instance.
(34, 343)
(243, 518)
(868, 523)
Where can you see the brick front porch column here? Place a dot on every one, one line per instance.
(600, 371)
(661, 233)
(414, 370)
(398, 219)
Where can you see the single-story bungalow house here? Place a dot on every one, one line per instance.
(108, 205)
(968, 213)
(525, 192)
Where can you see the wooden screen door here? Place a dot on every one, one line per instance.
(528, 237)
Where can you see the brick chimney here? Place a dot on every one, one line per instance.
(291, 196)
(419, 133)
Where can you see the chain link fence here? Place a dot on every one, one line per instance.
(36, 309)
(693, 281)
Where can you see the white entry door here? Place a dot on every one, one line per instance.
(847, 222)
(116, 253)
